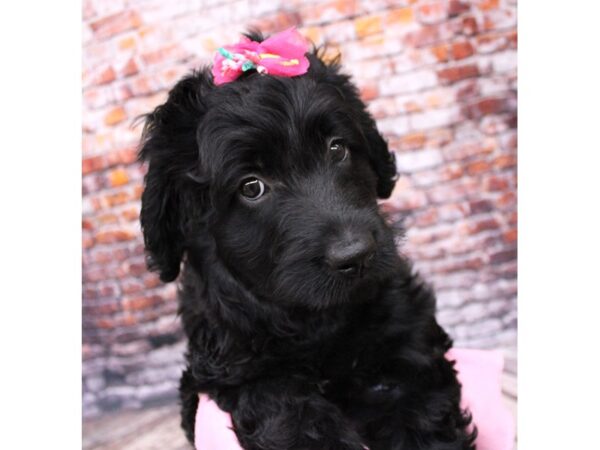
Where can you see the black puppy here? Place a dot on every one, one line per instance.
(303, 321)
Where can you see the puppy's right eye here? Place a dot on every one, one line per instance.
(338, 149)
(252, 188)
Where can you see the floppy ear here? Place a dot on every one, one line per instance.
(170, 148)
(381, 159)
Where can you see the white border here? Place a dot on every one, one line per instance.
(559, 225)
(40, 224)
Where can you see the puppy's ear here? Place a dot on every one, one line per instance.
(381, 159)
(170, 148)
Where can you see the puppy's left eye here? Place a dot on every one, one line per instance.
(252, 188)
(338, 149)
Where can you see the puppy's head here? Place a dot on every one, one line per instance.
(275, 178)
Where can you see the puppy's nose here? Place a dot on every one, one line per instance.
(349, 255)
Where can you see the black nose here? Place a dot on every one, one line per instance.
(351, 254)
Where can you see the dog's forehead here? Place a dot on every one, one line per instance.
(278, 124)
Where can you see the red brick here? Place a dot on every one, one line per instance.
(506, 200)
(468, 149)
(467, 89)
(140, 303)
(439, 137)
(365, 26)
(453, 172)
(495, 184)
(490, 43)
(429, 235)
(427, 218)
(115, 115)
(459, 266)
(128, 320)
(499, 19)
(486, 5)
(480, 206)
(481, 225)
(440, 52)
(137, 269)
(89, 294)
(138, 250)
(115, 23)
(131, 214)
(505, 161)
(151, 280)
(107, 290)
(412, 141)
(120, 254)
(105, 323)
(402, 16)
(457, 7)
(108, 237)
(461, 50)
(503, 256)
(477, 167)
(425, 36)
(118, 198)
(457, 73)
(102, 309)
(107, 218)
(485, 106)
(127, 43)
(512, 39)
(433, 12)
(102, 257)
(123, 156)
(93, 274)
(144, 85)
(93, 164)
(118, 177)
(132, 287)
(469, 26)
(510, 235)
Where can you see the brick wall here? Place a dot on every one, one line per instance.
(440, 77)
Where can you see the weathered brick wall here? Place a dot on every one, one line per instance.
(440, 77)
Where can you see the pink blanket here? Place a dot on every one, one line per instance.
(479, 372)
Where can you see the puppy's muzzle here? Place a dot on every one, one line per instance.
(350, 255)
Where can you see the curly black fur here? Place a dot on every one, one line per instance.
(301, 356)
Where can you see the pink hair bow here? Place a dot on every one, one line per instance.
(282, 54)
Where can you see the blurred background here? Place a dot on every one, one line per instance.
(440, 77)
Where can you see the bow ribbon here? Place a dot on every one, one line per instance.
(281, 54)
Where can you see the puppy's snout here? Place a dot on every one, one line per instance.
(351, 254)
